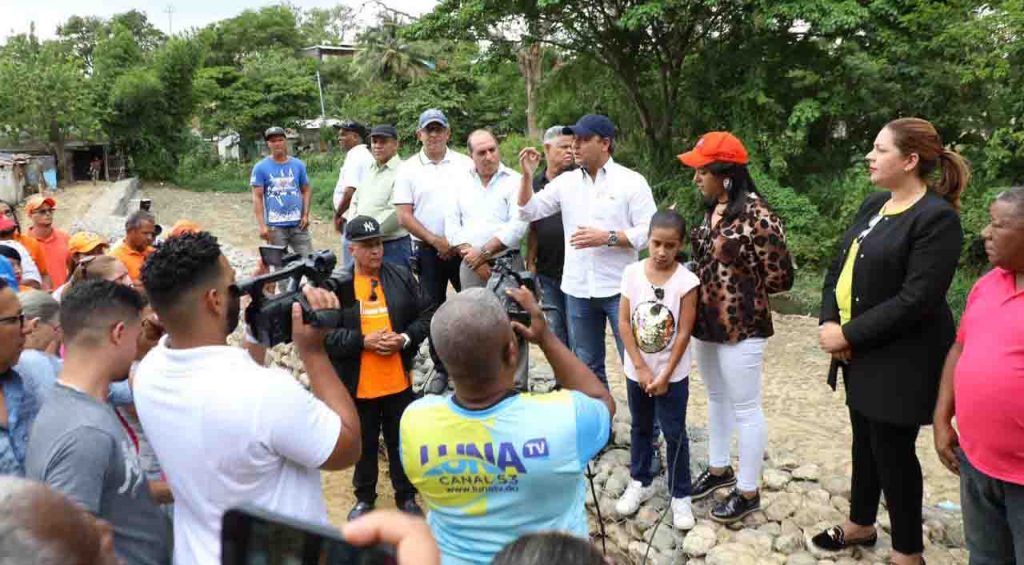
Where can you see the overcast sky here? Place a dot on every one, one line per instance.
(17, 15)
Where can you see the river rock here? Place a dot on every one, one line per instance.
(617, 482)
(731, 554)
(699, 540)
(788, 544)
(776, 479)
(771, 528)
(812, 513)
(801, 558)
(820, 496)
(836, 485)
(621, 434)
(806, 472)
(841, 504)
(782, 507)
(760, 541)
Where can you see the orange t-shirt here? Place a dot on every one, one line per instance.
(379, 375)
(56, 253)
(35, 250)
(132, 259)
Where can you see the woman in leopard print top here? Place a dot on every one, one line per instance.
(741, 258)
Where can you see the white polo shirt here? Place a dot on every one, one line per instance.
(357, 164)
(619, 199)
(429, 185)
(480, 212)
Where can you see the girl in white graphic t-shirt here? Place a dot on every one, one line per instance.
(657, 311)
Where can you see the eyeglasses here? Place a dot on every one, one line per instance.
(374, 283)
(46, 211)
(19, 319)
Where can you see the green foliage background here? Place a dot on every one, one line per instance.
(805, 83)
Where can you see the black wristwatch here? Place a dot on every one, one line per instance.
(613, 238)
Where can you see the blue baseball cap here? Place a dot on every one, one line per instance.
(591, 124)
(432, 116)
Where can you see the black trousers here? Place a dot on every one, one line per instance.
(378, 415)
(435, 274)
(884, 460)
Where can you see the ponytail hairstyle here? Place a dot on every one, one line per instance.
(914, 135)
(670, 219)
(739, 185)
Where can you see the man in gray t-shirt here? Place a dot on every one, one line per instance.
(91, 460)
(77, 445)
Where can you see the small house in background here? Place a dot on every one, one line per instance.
(39, 165)
(311, 138)
(327, 52)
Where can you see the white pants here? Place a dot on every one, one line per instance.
(732, 377)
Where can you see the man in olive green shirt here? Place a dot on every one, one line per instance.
(375, 197)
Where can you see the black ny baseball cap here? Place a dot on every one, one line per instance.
(362, 228)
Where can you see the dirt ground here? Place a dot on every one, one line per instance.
(805, 418)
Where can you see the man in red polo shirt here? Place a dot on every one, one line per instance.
(983, 386)
(54, 241)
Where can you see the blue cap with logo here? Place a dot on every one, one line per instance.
(591, 124)
(432, 116)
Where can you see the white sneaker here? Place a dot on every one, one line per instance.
(635, 494)
(682, 514)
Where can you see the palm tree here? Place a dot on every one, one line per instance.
(386, 56)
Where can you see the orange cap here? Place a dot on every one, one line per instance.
(38, 200)
(715, 147)
(85, 241)
(184, 226)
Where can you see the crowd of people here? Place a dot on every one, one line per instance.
(120, 390)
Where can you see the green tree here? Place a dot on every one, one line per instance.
(253, 32)
(324, 26)
(387, 56)
(45, 95)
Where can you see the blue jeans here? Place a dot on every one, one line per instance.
(588, 318)
(670, 411)
(993, 516)
(553, 298)
(398, 251)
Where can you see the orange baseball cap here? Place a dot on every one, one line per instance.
(715, 147)
(184, 226)
(38, 200)
(86, 241)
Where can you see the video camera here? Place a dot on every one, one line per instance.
(270, 317)
(503, 278)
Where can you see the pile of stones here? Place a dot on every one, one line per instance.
(797, 502)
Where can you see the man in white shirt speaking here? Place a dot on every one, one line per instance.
(227, 430)
(606, 211)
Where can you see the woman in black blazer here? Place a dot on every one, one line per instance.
(886, 323)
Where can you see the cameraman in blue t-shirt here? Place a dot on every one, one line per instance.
(281, 196)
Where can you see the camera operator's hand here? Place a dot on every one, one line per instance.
(309, 338)
(472, 256)
(538, 325)
(483, 271)
(414, 544)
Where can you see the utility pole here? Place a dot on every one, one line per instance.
(170, 26)
(320, 88)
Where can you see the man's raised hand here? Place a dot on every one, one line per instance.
(529, 159)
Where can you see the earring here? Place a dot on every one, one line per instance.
(727, 184)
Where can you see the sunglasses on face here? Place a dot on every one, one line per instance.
(44, 211)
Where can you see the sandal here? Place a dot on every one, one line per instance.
(834, 539)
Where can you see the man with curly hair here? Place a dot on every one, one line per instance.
(226, 429)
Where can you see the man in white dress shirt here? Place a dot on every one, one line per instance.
(483, 220)
(606, 211)
(423, 195)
